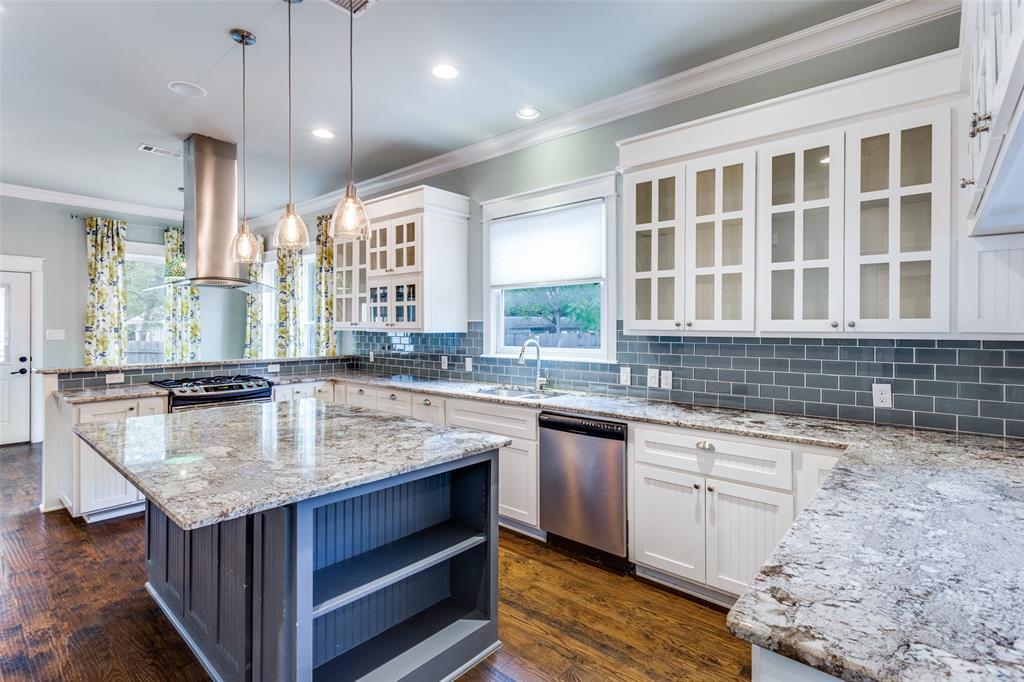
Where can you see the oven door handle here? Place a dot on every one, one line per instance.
(228, 403)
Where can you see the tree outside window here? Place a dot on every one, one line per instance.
(563, 316)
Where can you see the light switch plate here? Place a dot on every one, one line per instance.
(444, 362)
(54, 334)
(114, 378)
(371, 356)
(625, 376)
(273, 368)
(469, 364)
(652, 378)
(666, 379)
(881, 395)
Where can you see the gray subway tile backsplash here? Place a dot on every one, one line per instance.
(950, 384)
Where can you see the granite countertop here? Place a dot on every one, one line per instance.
(194, 363)
(205, 466)
(101, 394)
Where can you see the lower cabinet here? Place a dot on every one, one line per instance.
(518, 482)
(324, 391)
(298, 391)
(668, 521)
(428, 408)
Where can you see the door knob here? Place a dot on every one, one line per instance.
(21, 371)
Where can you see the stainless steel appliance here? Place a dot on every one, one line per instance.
(583, 481)
(189, 394)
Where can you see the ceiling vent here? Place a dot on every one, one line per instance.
(359, 6)
(159, 151)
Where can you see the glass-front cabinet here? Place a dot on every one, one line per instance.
(719, 224)
(393, 246)
(897, 224)
(800, 234)
(350, 284)
(653, 249)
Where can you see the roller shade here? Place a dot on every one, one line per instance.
(559, 245)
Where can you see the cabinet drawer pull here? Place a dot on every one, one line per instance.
(689, 323)
(426, 401)
(696, 486)
(131, 409)
(360, 391)
(965, 183)
(393, 396)
(711, 488)
(851, 324)
(835, 324)
(705, 445)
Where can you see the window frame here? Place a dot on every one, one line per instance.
(599, 187)
(146, 252)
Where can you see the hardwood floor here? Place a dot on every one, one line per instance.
(73, 607)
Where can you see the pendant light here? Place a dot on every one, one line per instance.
(244, 247)
(291, 232)
(349, 220)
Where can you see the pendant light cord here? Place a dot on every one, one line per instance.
(245, 212)
(351, 95)
(289, 102)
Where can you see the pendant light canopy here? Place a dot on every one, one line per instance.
(291, 232)
(244, 247)
(350, 221)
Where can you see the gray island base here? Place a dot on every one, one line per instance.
(393, 580)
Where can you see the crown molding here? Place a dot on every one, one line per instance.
(870, 23)
(82, 201)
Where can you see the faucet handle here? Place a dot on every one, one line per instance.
(541, 382)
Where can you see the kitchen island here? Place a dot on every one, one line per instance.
(304, 541)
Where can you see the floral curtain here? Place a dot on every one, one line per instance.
(106, 336)
(323, 305)
(181, 303)
(289, 325)
(254, 310)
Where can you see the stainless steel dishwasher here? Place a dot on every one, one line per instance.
(583, 481)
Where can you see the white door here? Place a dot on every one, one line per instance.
(744, 525)
(720, 242)
(100, 486)
(800, 234)
(668, 524)
(15, 362)
(518, 481)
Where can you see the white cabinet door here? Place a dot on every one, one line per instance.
(653, 248)
(800, 234)
(405, 303)
(150, 406)
(720, 211)
(810, 471)
(743, 526)
(294, 391)
(378, 249)
(324, 391)
(100, 486)
(428, 408)
(668, 523)
(350, 284)
(404, 244)
(518, 481)
(379, 307)
(991, 291)
(898, 223)
(360, 396)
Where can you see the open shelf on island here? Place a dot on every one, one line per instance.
(347, 581)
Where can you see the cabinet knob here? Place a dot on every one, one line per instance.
(131, 409)
(965, 183)
(696, 486)
(393, 396)
(360, 391)
(851, 324)
(705, 445)
(835, 324)
(711, 488)
(689, 323)
(678, 323)
(426, 401)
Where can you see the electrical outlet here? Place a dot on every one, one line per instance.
(652, 378)
(54, 334)
(469, 364)
(114, 378)
(273, 368)
(625, 376)
(666, 379)
(371, 356)
(881, 395)
(444, 362)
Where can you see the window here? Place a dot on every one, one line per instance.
(548, 259)
(144, 315)
(307, 302)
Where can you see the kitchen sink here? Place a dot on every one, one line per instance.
(523, 392)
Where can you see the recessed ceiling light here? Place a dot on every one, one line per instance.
(323, 133)
(528, 113)
(445, 71)
(186, 89)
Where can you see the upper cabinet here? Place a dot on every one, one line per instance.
(992, 170)
(411, 273)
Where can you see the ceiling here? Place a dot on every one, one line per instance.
(83, 83)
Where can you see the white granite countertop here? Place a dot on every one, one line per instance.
(101, 394)
(205, 466)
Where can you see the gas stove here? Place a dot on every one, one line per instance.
(210, 391)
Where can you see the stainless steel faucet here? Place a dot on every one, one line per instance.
(539, 382)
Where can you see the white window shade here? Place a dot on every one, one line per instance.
(565, 244)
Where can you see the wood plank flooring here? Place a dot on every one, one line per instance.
(73, 607)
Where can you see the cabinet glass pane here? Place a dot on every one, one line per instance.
(362, 279)
(400, 313)
(705, 252)
(732, 188)
(706, 192)
(782, 237)
(666, 248)
(732, 296)
(382, 239)
(874, 163)
(782, 295)
(400, 233)
(644, 199)
(642, 300)
(410, 232)
(732, 241)
(783, 179)
(874, 291)
(874, 227)
(643, 251)
(704, 291)
(916, 156)
(916, 290)
(666, 298)
(916, 222)
(816, 233)
(667, 198)
(400, 258)
(410, 255)
(815, 294)
(816, 168)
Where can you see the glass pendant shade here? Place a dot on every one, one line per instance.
(291, 232)
(244, 247)
(349, 221)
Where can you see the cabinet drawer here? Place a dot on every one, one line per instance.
(325, 392)
(360, 396)
(395, 402)
(711, 454)
(516, 422)
(428, 408)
